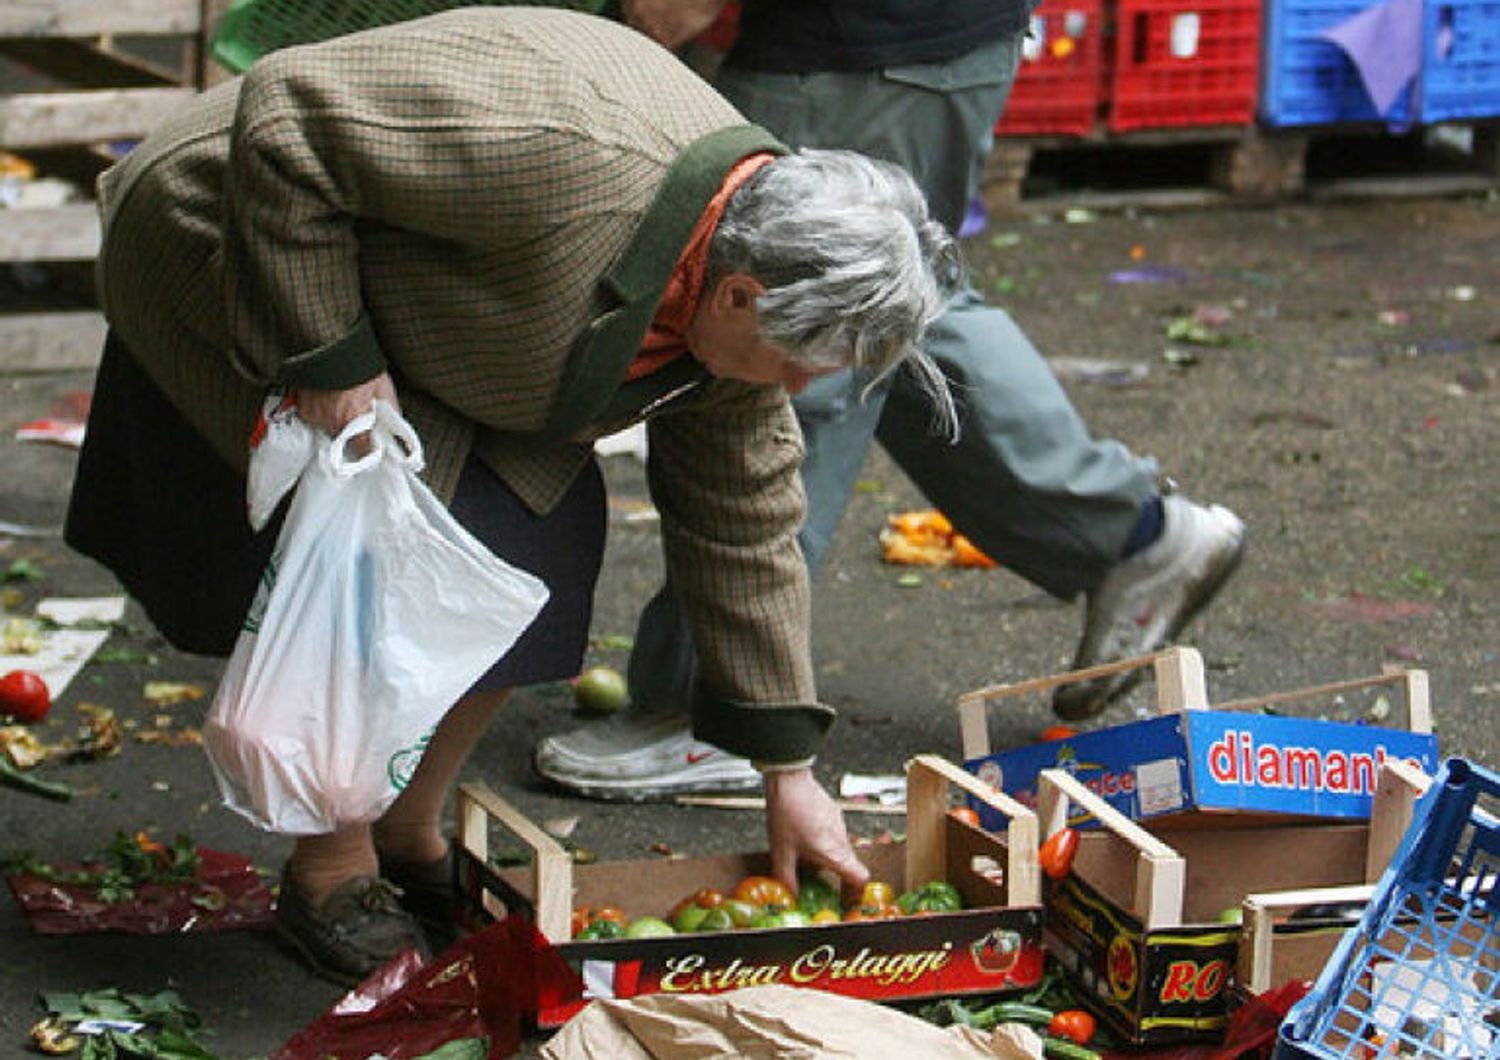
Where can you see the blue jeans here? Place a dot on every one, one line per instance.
(1025, 481)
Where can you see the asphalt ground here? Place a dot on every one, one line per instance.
(1350, 419)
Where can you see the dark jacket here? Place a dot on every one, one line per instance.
(809, 36)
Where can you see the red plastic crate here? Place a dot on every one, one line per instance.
(1059, 84)
(1184, 62)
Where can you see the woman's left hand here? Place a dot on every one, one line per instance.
(331, 410)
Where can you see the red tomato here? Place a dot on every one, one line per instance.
(24, 696)
(1073, 1024)
(1056, 854)
(965, 814)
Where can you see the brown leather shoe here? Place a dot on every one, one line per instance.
(428, 894)
(352, 932)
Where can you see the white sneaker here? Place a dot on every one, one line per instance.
(632, 758)
(1146, 600)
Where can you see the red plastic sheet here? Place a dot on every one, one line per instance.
(228, 895)
(487, 985)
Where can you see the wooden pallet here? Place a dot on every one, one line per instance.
(1230, 164)
(92, 94)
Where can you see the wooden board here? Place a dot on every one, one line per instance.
(50, 342)
(84, 18)
(46, 119)
(62, 233)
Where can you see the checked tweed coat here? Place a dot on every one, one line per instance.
(487, 203)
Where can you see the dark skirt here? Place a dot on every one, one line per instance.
(156, 505)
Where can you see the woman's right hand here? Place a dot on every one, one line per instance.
(331, 410)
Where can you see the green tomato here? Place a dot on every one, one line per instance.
(815, 893)
(602, 929)
(600, 690)
(1231, 915)
(648, 927)
(767, 920)
(689, 918)
(795, 918)
(717, 919)
(743, 914)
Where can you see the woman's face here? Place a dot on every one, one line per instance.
(725, 336)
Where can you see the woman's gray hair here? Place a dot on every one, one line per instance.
(853, 265)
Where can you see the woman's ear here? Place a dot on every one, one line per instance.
(737, 293)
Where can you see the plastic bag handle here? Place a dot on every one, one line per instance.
(391, 438)
(336, 455)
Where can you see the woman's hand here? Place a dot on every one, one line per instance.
(331, 410)
(671, 23)
(805, 824)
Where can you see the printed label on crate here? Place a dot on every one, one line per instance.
(1149, 986)
(1213, 760)
(1265, 762)
(972, 952)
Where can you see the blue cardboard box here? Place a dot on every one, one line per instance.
(1198, 759)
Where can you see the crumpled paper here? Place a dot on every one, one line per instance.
(761, 1021)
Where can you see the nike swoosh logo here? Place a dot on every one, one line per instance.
(694, 759)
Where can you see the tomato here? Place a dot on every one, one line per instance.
(1058, 732)
(24, 696)
(585, 916)
(1073, 1024)
(825, 916)
(708, 898)
(873, 912)
(965, 814)
(876, 894)
(765, 891)
(1056, 854)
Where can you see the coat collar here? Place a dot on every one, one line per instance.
(591, 387)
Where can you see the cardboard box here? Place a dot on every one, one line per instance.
(1191, 758)
(993, 945)
(1137, 923)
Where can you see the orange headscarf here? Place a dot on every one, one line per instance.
(665, 340)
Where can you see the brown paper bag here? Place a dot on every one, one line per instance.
(779, 1022)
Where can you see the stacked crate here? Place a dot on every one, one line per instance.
(82, 100)
(1311, 81)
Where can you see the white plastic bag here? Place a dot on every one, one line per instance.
(376, 612)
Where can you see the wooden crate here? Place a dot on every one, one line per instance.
(82, 81)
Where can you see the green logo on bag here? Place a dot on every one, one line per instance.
(257, 612)
(404, 762)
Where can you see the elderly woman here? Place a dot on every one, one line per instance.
(530, 228)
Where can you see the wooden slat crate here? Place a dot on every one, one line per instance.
(80, 79)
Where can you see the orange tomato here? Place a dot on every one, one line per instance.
(873, 912)
(876, 894)
(767, 892)
(610, 912)
(965, 814)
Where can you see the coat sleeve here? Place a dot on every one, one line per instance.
(724, 477)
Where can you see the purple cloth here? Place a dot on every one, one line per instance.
(1385, 44)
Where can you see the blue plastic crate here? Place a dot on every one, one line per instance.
(1309, 81)
(1418, 978)
(1460, 60)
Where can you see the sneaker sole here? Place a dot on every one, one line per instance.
(651, 790)
(1114, 688)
